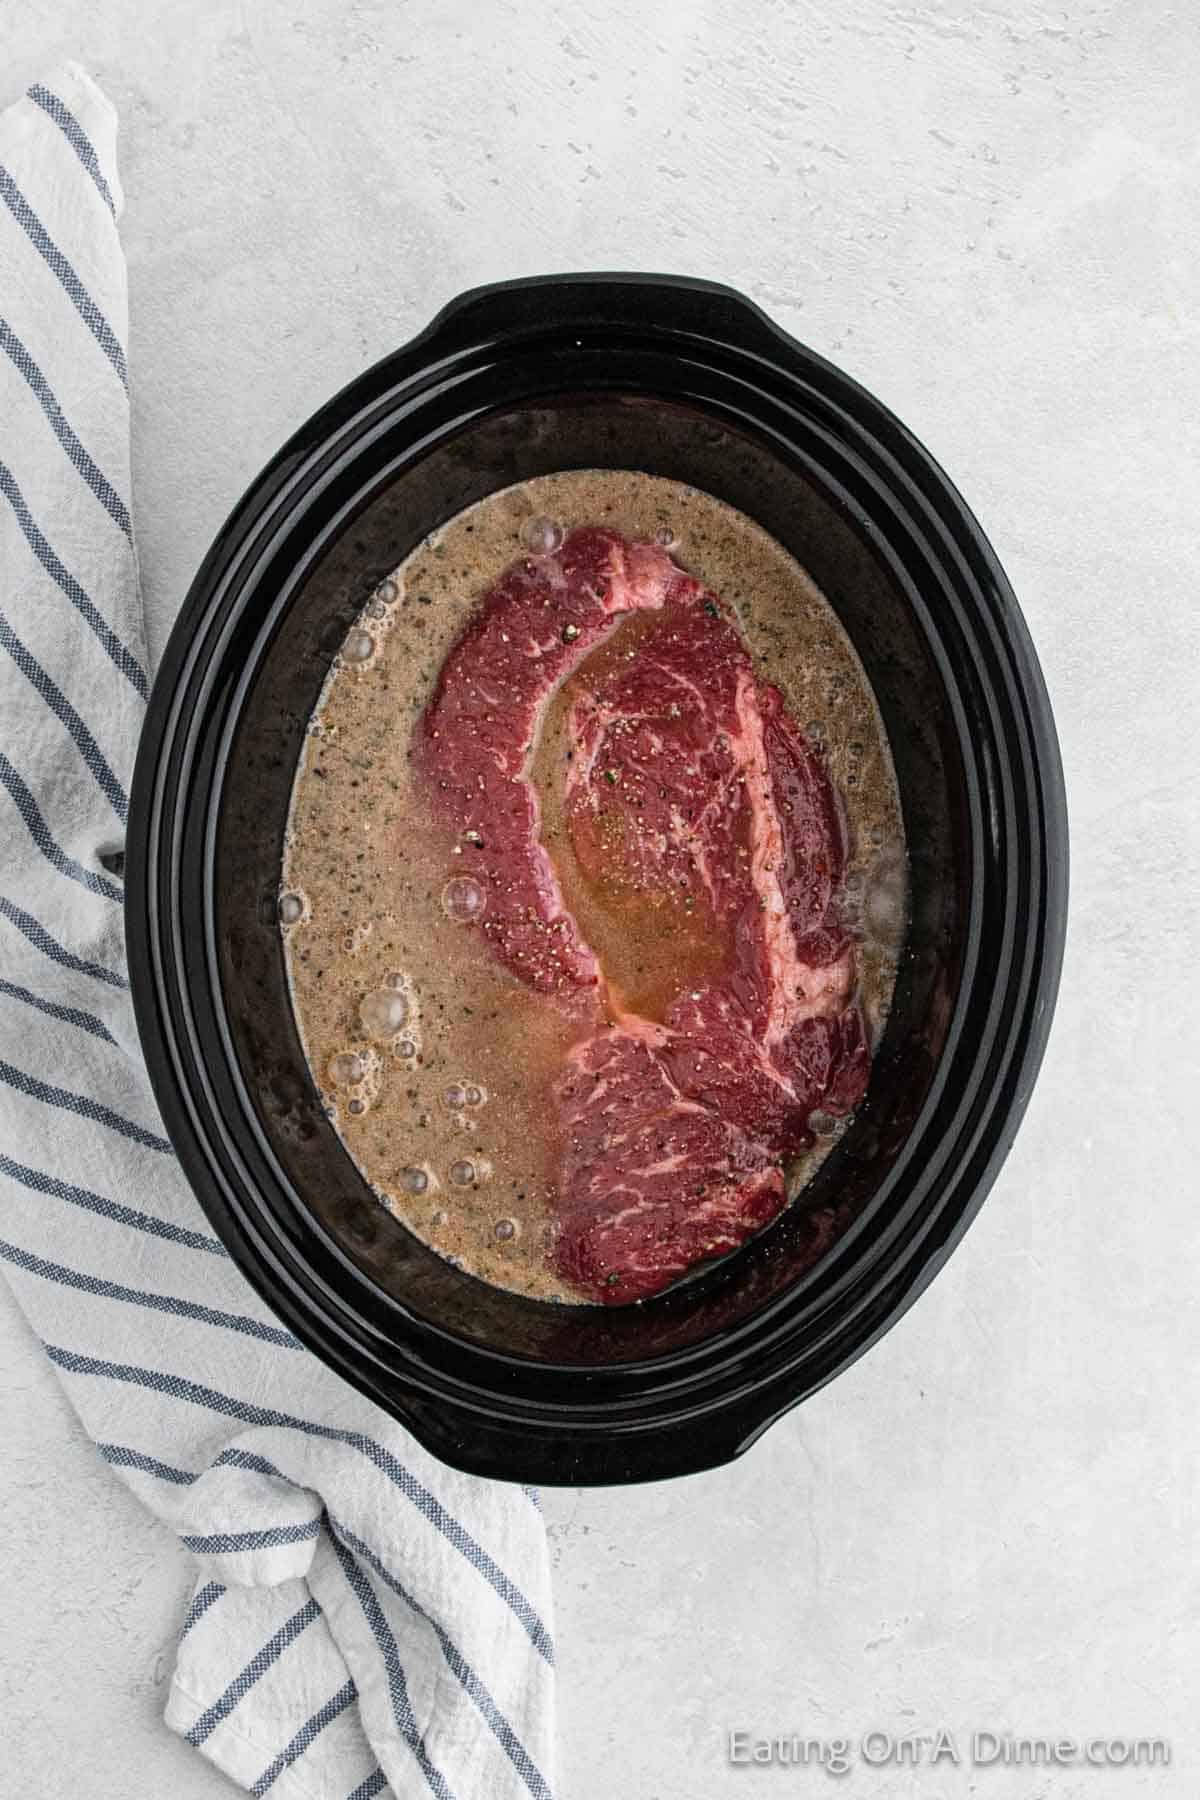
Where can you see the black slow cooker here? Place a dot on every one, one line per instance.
(683, 379)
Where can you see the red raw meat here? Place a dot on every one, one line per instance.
(687, 774)
(474, 739)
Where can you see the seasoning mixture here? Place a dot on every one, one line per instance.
(518, 924)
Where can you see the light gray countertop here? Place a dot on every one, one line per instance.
(989, 214)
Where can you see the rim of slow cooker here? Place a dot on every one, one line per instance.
(868, 1276)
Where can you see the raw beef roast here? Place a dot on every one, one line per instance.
(690, 784)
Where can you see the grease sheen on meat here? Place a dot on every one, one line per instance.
(688, 782)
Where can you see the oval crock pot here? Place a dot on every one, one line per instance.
(684, 379)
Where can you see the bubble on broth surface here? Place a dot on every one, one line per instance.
(292, 908)
(414, 1180)
(384, 1013)
(665, 536)
(346, 1068)
(505, 1228)
(462, 1172)
(456, 1094)
(464, 899)
(357, 1106)
(541, 535)
(388, 592)
(475, 1095)
(406, 1048)
(359, 646)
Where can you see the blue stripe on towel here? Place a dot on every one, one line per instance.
(122, 1457)
(230, 1543)
(58, 703)
(201, 1601)
(246, 1459)
(402, 1710)
(312, 1729)
(70, 1015)
(179, 1388)
(167, 1303)
(120, 1214)
(81, 1104)
(49, 946)
(255, 1669)
(367, 1790)
(82, 301)
(39, 831)
(462, 1540)
(77, 455)
(511, 1744)
(54, 566)
(76, 136)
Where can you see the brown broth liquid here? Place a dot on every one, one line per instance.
(449, 1116)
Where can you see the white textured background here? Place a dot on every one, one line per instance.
(989, 211)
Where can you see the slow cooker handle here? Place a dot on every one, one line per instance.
(500, 1451)
(678, 304)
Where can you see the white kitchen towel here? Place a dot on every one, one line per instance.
(365, 1621)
